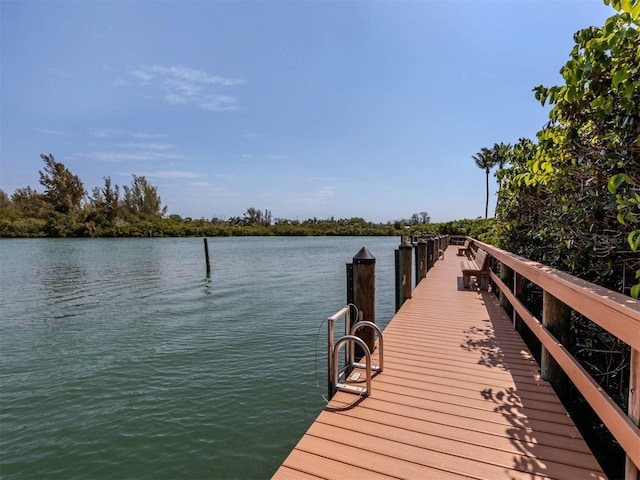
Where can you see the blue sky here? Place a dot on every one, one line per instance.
(306, 108)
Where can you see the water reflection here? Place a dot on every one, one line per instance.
(206, 285)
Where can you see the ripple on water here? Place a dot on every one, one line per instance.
(121, 359)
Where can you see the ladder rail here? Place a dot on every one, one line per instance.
(358, 326)
(346, 312)
(334, 380)
(349, 340)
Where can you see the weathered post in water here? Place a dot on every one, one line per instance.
(421, 260)
(364, 295)
(206, 257)
(403, 273)
(556, 318)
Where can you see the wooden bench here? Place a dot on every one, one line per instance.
(478, 267)
(465, 249)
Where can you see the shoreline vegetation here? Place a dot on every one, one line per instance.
(65, 209)
(176, 226)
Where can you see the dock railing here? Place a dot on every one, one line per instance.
(616, 313)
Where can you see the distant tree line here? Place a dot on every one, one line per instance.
(65, 209)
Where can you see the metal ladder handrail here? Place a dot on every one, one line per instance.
(349, 339)
(346, 311)
(364, 392)
(358, 326)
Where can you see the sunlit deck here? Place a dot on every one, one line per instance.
(460, 397)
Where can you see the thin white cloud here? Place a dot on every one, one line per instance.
(328, 179)
(146, 135)
(262, 156)
(105, 132)
(188, 86)
(318, 196)
(142, 75)
(148, 146)
(118, 132)
(126, 156)
(143, 150)
(48, 131)
(191, 75)
(184, 88)
(59, 73)
(173, 174)
(218, 103)
(326, 192)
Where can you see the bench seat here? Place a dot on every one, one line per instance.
(477, 267)
(464, 250)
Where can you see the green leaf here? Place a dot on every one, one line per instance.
(634, 240)
(627, 6)
(635, 291)
(616, 181)
(618, 77)
(569, 94)
(536, 166)
(620, 217)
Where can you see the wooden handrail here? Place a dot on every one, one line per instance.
(614, 312)
(617, 313)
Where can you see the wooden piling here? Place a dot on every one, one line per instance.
(430, 253)
(206, 257)
(556, 319)
(364, 295)
(421, 260)
(403, 274)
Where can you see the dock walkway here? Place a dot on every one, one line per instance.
(460, 397)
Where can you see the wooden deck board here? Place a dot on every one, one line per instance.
(460, 397)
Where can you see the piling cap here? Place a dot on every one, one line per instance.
(364, 256)
(405, 244)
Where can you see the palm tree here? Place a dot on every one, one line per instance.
(484, 159)
(501, 154)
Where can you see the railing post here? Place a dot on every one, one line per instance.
(632, 471)
(364, 295)
(518, 286)
(421, 260)
(556, 319)
(506, 275)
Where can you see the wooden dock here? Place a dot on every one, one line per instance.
(460, 397)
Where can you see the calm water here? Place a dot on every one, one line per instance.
(120, 359)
